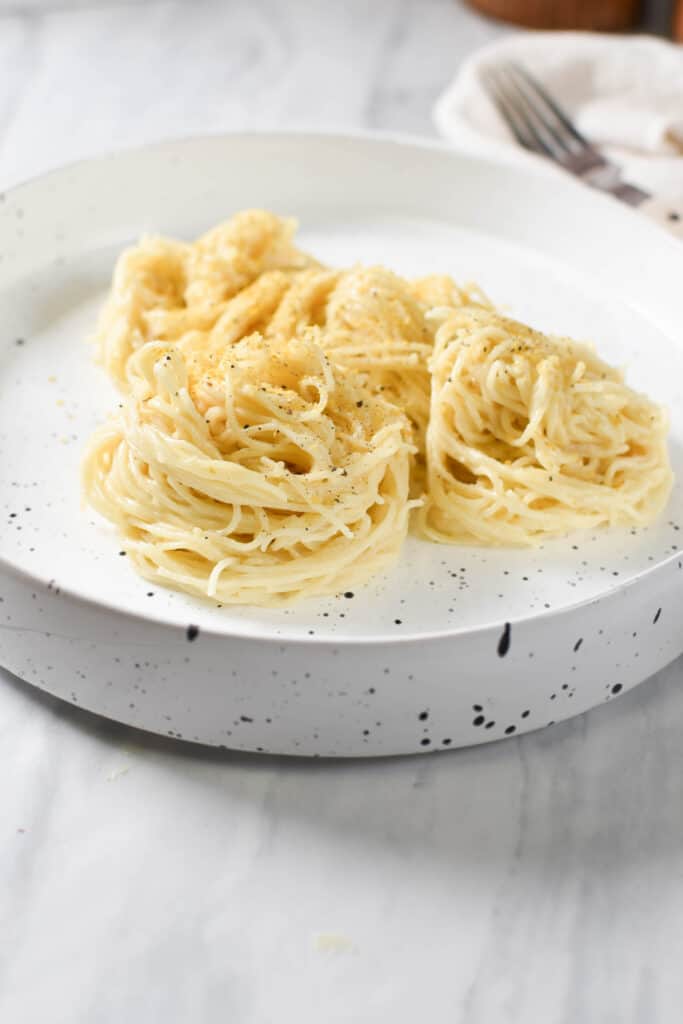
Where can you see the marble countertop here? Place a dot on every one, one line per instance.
(539, 879)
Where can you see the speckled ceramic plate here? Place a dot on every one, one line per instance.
(455, 645)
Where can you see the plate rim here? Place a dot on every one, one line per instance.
(342, 640)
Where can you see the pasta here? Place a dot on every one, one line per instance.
(281, 420)
(533, 436)
(163, 288)
(265, 476)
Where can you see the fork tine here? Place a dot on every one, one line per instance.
(534, 87)
(513, 123)
(517, 116)
(529, 104)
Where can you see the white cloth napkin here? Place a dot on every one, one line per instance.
(624, 93)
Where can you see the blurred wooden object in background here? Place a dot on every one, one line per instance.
(593, 15)
(677, 26)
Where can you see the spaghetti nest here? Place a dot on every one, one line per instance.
(255, 474)
(532, 436)
(163, 288)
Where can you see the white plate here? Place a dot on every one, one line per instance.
(348, 675)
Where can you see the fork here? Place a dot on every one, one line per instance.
(539, 124)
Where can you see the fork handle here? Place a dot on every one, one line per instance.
(667, 214)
